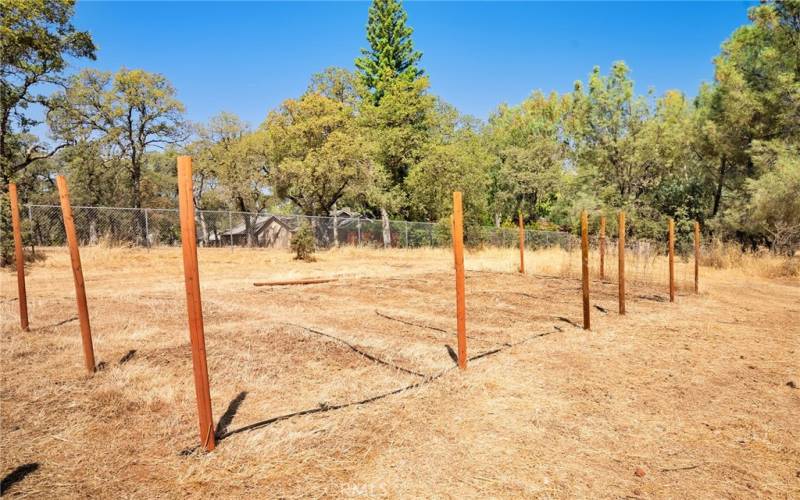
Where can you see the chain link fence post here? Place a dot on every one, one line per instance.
(30, 231)
(230, 228)
(146, 229)
(358, 226)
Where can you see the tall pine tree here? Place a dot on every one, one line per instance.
(391, 54)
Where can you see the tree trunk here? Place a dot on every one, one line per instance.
(203, 226)
(387, 232)
(248, 223)
(248, 229)
(720, 182)
(136, 195)
(6, 231)
(92, 228)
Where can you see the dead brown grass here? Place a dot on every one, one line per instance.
(720, 255)
(694, 393)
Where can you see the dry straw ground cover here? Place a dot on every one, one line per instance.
(694, 394)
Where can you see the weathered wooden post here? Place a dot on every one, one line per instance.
(696, 257)
(585, 268)
(671, 231)
(193, 303)
(602, 247)
(19, 257)
(458, 255)
(77, 274)
(621, 265)
(521, 244)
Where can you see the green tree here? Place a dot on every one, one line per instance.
(459, 165)
(231, 169)
(400, 127)
(755, 98)
(36, 38)
(129, 113)
(774, 207)
(317, 154)
(391, 53)
(338, 84)
(530, 153)
(609, 136)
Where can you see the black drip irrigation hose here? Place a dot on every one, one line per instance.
(357, 350)
(327, 408)
(428, 327)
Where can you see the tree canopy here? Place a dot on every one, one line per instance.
(376, 139)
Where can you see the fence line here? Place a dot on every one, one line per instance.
(147, 227)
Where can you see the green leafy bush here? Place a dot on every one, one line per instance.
(303, 243)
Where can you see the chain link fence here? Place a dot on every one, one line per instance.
(152, 227)
(42, 226)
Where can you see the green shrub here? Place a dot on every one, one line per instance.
(303, 243)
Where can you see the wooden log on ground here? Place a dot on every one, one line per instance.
(307, 281)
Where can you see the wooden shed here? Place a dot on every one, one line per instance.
(267, 231)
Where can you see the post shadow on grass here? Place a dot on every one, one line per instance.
(227, 417)
(16, 476)
(567, 320)
(452, 353)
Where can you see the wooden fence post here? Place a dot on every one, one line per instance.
(193, 303)
(671, 232)
(696, 257)
(585, 268)
(458, 255)
(621, 265)
(19, 257)
(77, 274)
(602, 247)
(521, 244)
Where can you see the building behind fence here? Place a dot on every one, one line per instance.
(151, 227)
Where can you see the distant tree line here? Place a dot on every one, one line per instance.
(375, 139)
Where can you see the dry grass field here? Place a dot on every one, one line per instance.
(348, 388)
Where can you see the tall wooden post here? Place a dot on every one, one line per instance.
(696, 257)
(602, 247)
(193, 303)
(521, 244)
(585, 268)
(621, 265)
(671, 230)
(19, 257)
(77, 274)
(458, 255)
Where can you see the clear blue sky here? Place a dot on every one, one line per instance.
(246, 57)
